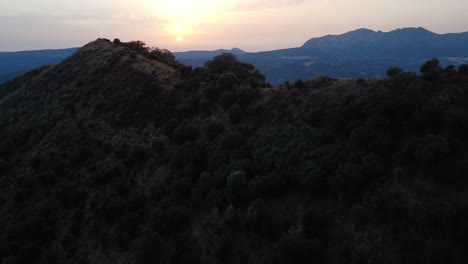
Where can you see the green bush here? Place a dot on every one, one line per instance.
(138, 154)
(236, 187)
(393, 71)
(232, 140)
(245, 95)
(299, 83)
(221, 63)
(10, 260)
(236, 181)
(148, 249)
(178, 217)
(185, 133)
(435, 148)
(431, 70)
(319, 80)
(185, 71)
(256, 212)
(294, 248)
(169, 127)
(189, 154)
(4, 166)
(430, 66)
(204, 105)
(227, 99)
(162, 55)
(185, 110)
(463, 69)
(235, 114)
(211, 92)
(226, 81)
(213, 128)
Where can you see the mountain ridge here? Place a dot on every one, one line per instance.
(359, 53)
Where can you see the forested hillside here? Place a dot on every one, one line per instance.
(120, 154)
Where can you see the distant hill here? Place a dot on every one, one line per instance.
(359, 53)
(197, 58)
(412, 42)
(13, 64)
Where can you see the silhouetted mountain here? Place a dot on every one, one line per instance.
(119, 154)
(412, 42)
(13, 64)
(359, 53)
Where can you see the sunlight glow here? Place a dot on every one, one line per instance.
(183, 17)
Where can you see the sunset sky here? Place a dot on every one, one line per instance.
(178, 25)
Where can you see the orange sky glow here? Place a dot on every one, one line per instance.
(179, 25)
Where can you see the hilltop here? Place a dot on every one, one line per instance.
(121, 154)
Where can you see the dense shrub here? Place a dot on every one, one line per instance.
(294, 247)
(148, 248)
(245, 95)
(430, 70)
(169, 127)
(185, 71)
(434, 149)
(189, 155)
(211, 92)
(256, 212)
(463, 69)
(299, 83)
(185, 110)
(227, 99)
(226, 81)
(4, 166)
(393, 71)
(185, 132)
(213, 128)
(235, 113)
(178, 217)
(430, 66)
(232, 140)
(236, 181)
(221, 63)
(164, 56)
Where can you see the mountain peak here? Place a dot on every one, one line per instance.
(415, 31)
(362, 30)
(237, 51)
(364, 35)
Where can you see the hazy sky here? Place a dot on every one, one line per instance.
(178, 25)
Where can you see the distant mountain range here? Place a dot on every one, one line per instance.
(13, 64)
(359, 53)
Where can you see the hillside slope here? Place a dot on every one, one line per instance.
(112, 156)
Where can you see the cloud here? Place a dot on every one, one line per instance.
(259, 5)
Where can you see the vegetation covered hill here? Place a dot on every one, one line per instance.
(120, 154)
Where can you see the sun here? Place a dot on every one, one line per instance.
(184, 17)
